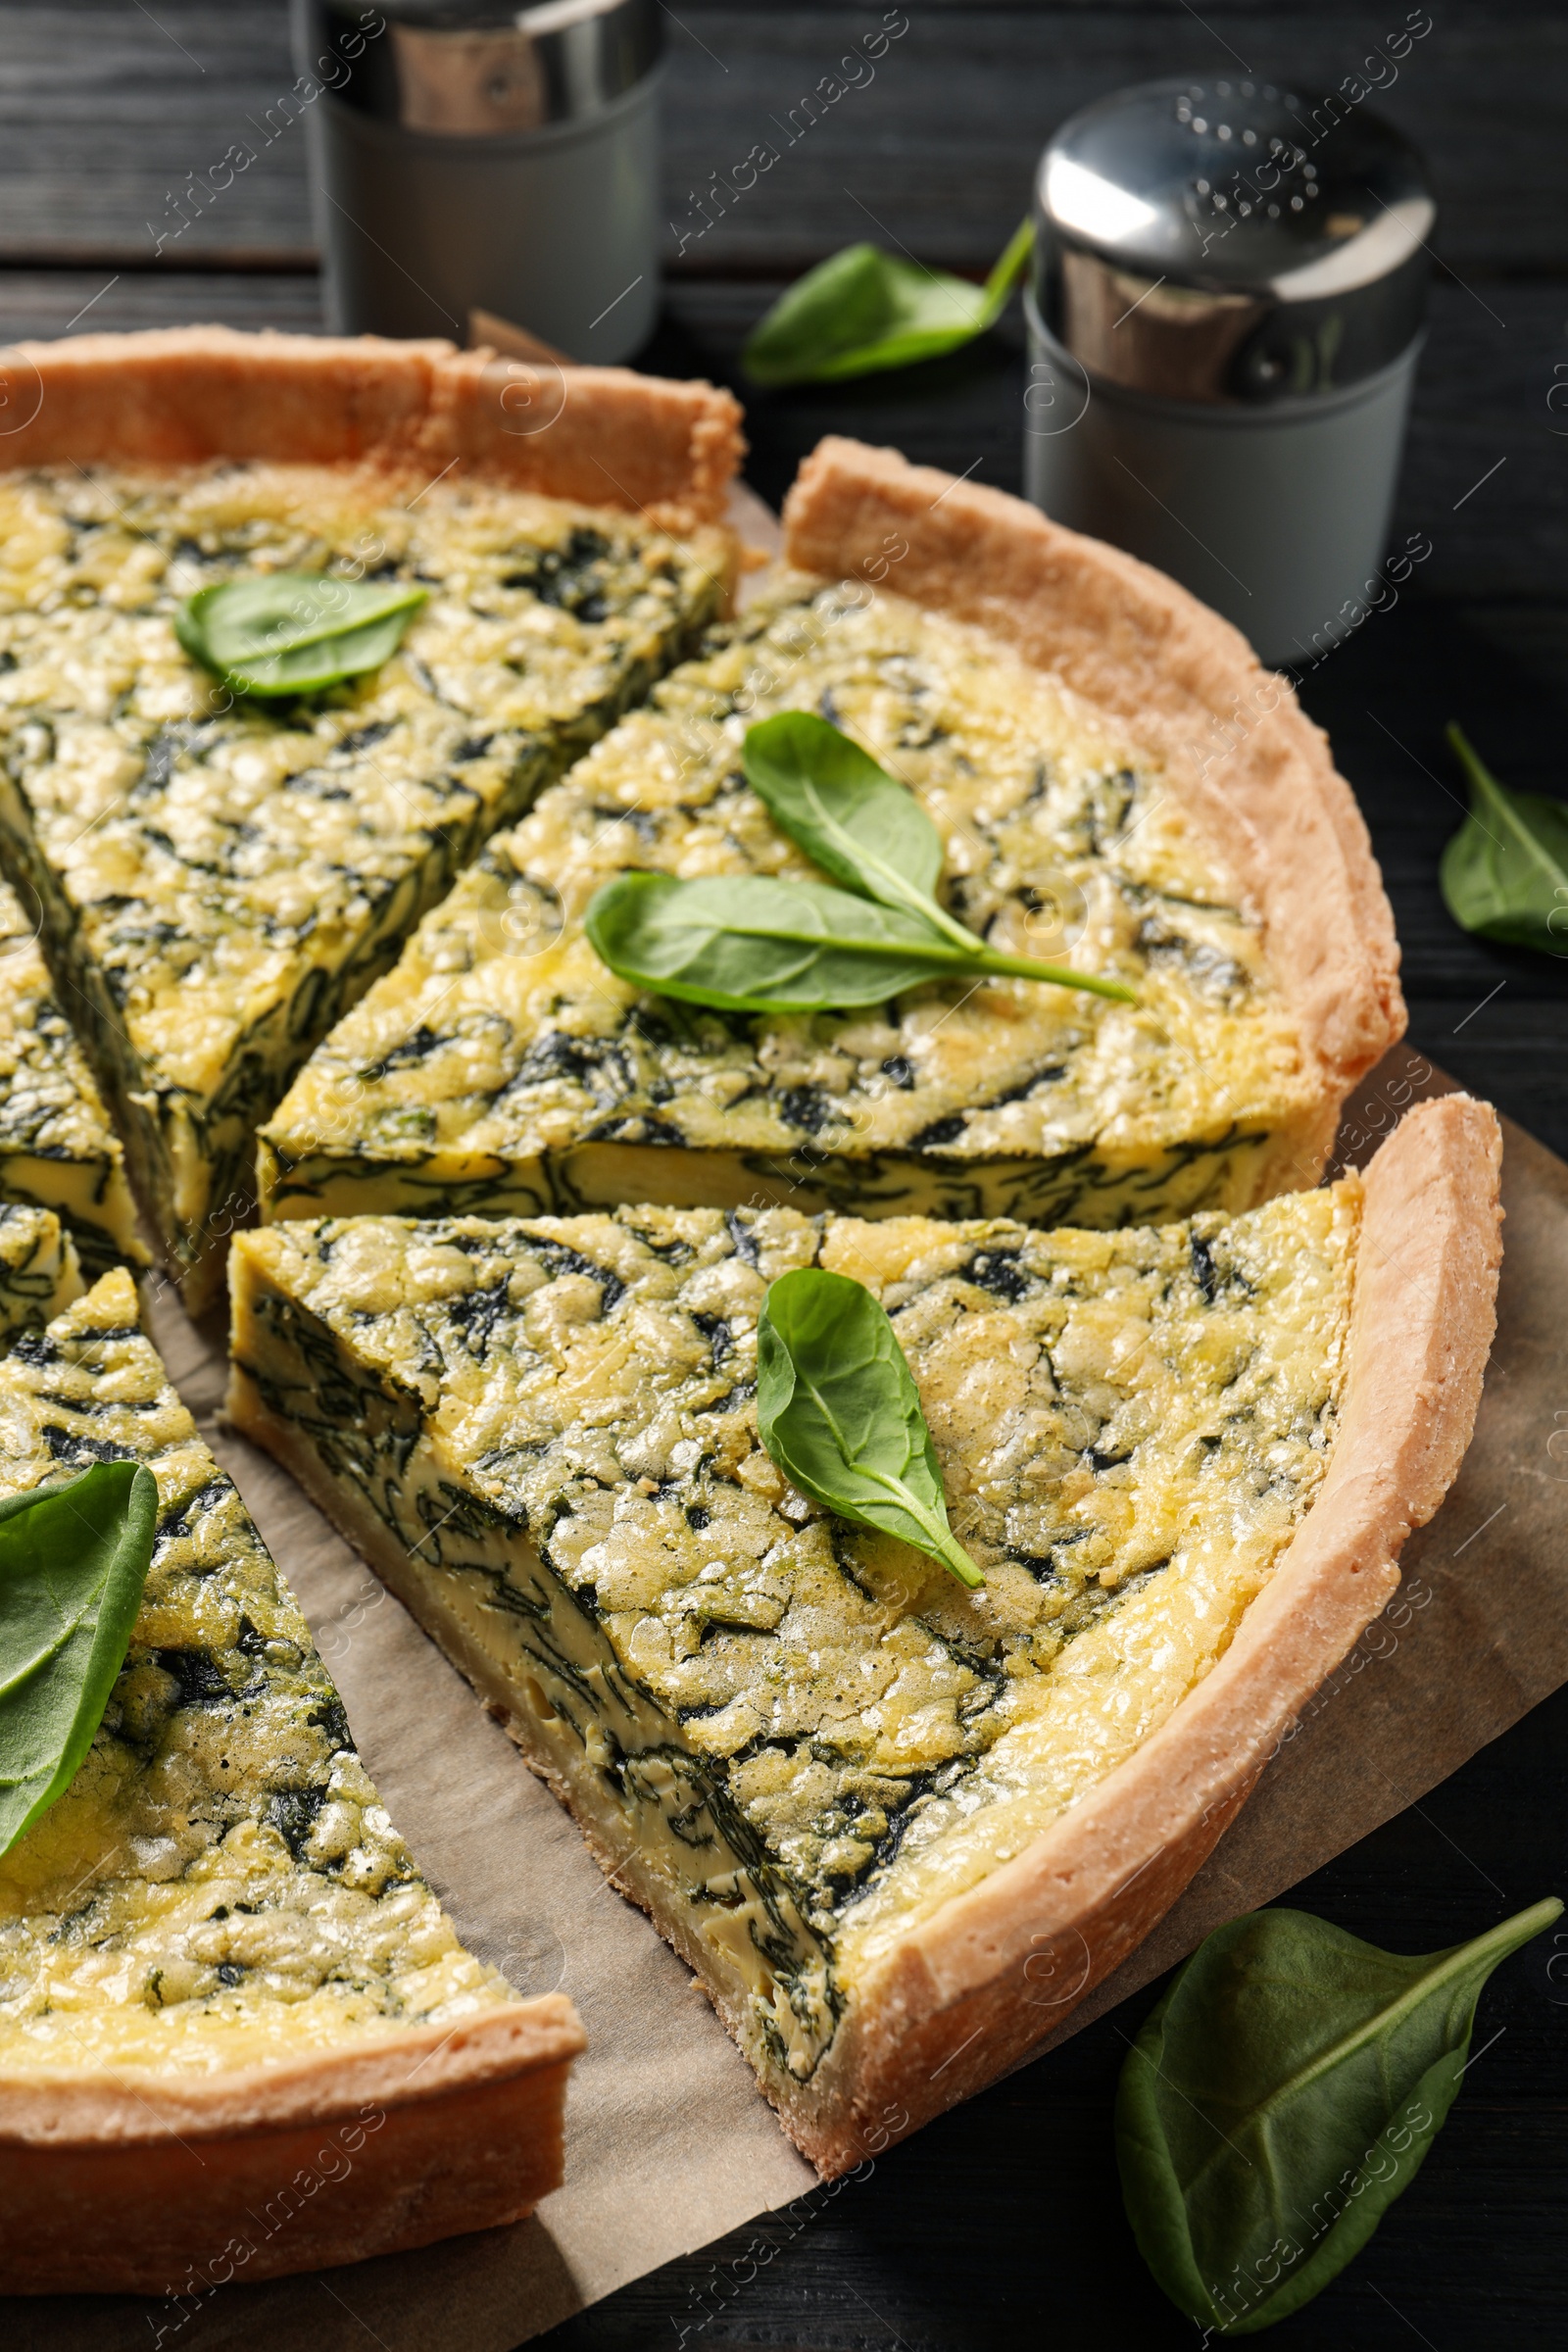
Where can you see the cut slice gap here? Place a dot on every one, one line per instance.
(40, 1272)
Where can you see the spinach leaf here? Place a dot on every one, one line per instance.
(72, 1563)
(1281, 2096)
(752, 943)
(839, 1412)
(859, 823)
(747, 943)
(290, 632)
(1506, 872)
(864, 309)
(869, 832)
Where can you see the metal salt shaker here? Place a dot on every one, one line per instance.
(467, 156)
(1224, 320)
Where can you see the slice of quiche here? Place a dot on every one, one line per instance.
(224, 1984)
(220, 877)
(895, 1826)
(57, 1148)
(1087, 816)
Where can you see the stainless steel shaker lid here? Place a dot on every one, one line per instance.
(476, 69)
(1231, 241)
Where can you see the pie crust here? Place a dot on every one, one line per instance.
(175, 2188)
(181, 396)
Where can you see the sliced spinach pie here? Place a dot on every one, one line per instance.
(223, 1982)
(894, 1824)
(231, 812)
(1114, 784)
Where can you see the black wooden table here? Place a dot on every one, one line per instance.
(1001, 2225)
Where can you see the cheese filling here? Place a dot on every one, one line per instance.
(221, 879)
(39, 1271)
(503, 1068)
(788, 1739)
(57, 1148)
(221, 1886)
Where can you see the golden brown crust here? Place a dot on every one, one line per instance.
(974, 1989)
(160, 2186)
(174, 396)
(1234, 744)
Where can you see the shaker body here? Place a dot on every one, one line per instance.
(554, 230)
(1277, 517)
(1225, 312)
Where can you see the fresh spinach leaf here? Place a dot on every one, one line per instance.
(291, 632)
(1506, 872)
(72, 1563)
(869, 832)
(859, 823)
(756, 943)
(747, 943)
(838, 1410)
(1281, 2096)
(864, 309)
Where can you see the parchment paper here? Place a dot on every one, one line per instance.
(669, 2143)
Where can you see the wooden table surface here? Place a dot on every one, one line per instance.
(1001, 2225)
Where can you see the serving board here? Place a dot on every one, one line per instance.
(669, 2143)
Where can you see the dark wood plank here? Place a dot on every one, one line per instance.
(106, 110)
(941, 146)
(45, 303)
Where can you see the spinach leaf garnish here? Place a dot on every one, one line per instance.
(859, 823)
(838, 1410)
(72, 1563)
(1281, 2095)
(1506, 872)
(291, 632)
(754, 944)
(864, 309)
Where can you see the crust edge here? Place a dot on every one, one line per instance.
(144, 2185)
(602, 436)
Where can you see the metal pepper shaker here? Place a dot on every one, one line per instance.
(1224, 319)
(467, 155)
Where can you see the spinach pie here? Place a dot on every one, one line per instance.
(220, 1971)
(881, 1814)
(221, 873)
